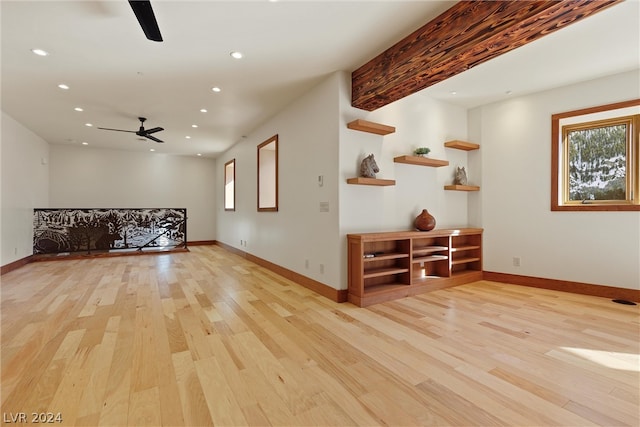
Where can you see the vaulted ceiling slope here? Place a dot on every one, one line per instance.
(116, 75)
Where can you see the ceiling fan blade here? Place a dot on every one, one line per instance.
(153, 138)
(146, 18)
(119, 130)
(153, 130)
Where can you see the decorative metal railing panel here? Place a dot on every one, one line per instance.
(108, 230)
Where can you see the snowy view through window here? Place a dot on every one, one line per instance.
(597, 163)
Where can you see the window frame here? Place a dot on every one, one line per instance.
(268, 183)
(231, 162)
(559, 160)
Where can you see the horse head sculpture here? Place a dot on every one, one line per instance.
(369, 167)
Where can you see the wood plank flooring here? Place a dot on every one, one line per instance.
(208, 338)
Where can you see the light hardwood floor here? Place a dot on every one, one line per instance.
(206, 338)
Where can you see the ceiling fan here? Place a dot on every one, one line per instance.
(146, 133)
(146, 18)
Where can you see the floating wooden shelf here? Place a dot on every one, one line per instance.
(456, 187)
(371, 181)
(371, 127)
(422, 161)
(462, 145)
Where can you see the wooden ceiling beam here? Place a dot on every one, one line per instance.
(467, 34)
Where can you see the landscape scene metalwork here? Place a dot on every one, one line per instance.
(104, 230)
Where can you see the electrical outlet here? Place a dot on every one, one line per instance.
(306, 263)
(516, 261)
(321, 268)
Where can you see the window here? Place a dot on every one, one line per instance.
(595, 158)
(230, 185)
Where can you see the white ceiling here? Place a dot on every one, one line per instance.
(116, 75)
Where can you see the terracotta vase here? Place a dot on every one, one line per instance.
(425, 221)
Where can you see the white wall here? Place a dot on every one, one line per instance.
(314, 140)
(307, 147)
(514, 202)
(25, 171)
(419, 121)
(85, 177)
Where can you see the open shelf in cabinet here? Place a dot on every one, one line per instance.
(465, 248)
(410, 262)
(377, 256)
(429, 258)
(464, 260)
(421, 161)
(466, 253)
(380, 272)
(419, 250)
(383, 268)
(371, 127)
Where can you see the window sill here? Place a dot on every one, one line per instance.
(595, 207)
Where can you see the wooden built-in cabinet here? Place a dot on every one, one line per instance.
(391, 265)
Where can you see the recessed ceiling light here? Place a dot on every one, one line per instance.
(198, 154)
(78, 109)
(216, 89)
(152, 149)
(187, 137)
(85, 143)
(40, 52)
(88, 124)
(203, 110)
(508, 92)
(194, 126)
(63, 86)
(453, 92)
(236, 55)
